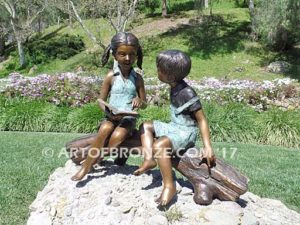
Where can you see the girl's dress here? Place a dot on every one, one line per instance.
(183, 129)
(121, 95)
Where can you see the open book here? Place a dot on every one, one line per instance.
(112, 111)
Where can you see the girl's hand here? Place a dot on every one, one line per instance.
(208, 153)
(116, 117)
(137, 102)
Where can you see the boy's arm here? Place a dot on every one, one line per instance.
(204, 132)
(140, 101)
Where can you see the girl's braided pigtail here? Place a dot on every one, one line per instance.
(139, 57)
(105, 55)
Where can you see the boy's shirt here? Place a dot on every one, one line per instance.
(181, 94)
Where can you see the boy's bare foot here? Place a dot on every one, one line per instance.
(81, 173)
(166, 195)
(147, 165)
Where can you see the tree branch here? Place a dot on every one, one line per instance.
(78, 18)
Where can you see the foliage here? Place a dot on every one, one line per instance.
(228, 123)
(174, 214)
(61, 47)
(149, 6)
(40, 116)
(277, 23)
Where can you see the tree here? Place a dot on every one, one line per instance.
(116, 12)
(164, 11)
(21, 15)
(4, 30)
(277, 23)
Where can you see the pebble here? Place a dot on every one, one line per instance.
(115, 204)
(68, 211)
(108, 200)
(249, 219)
(52, 212)
(157, 220)
(186, 191)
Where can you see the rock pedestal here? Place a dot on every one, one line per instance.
(112, 195)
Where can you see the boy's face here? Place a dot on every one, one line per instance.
(164, 77)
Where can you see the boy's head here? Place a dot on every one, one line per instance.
(175, 64)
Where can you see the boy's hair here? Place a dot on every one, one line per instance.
(123, 38)
(174, 63)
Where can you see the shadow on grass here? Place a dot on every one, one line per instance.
(53, 33)
(182, 6)
(211, 35)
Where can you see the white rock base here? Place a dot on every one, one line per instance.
(112, 195)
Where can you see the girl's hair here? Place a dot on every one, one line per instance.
(174, 63)
(123, 38)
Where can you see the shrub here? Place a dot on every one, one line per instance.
(232, 122)
(280, 128)
(85, 119)
(61, 47)
(277, 23)
(229, 123)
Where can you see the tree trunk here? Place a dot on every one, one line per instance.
(2, 45)
(252, 19)
(2, 41)
(251, 9)
(164, 8)
(21, 52)
(205, 4)
(39, 25)
(18, 38)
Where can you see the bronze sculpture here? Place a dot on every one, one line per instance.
(171, 142)
(127, 92)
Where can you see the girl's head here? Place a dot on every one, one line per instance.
(172, 65)
(124, 41)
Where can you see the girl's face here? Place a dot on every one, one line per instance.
(126, 56)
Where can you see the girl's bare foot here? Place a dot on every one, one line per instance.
(147, 165)
(81, 173)
(166, 195)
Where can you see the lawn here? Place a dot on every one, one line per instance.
(26, 166)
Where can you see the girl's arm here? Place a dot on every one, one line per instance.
(204, 132)
(140, 101)
(106, 86)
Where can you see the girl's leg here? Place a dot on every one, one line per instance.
(147, 139)
(104, 132)
(118, 136)
(162, 148)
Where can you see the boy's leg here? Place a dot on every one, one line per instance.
(147, 139)
(162, 149)
(104, 132)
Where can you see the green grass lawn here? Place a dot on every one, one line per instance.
(273, 171)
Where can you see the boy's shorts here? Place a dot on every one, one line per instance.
(181, 137)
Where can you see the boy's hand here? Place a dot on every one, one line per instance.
(137, 103)
(208, 153)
